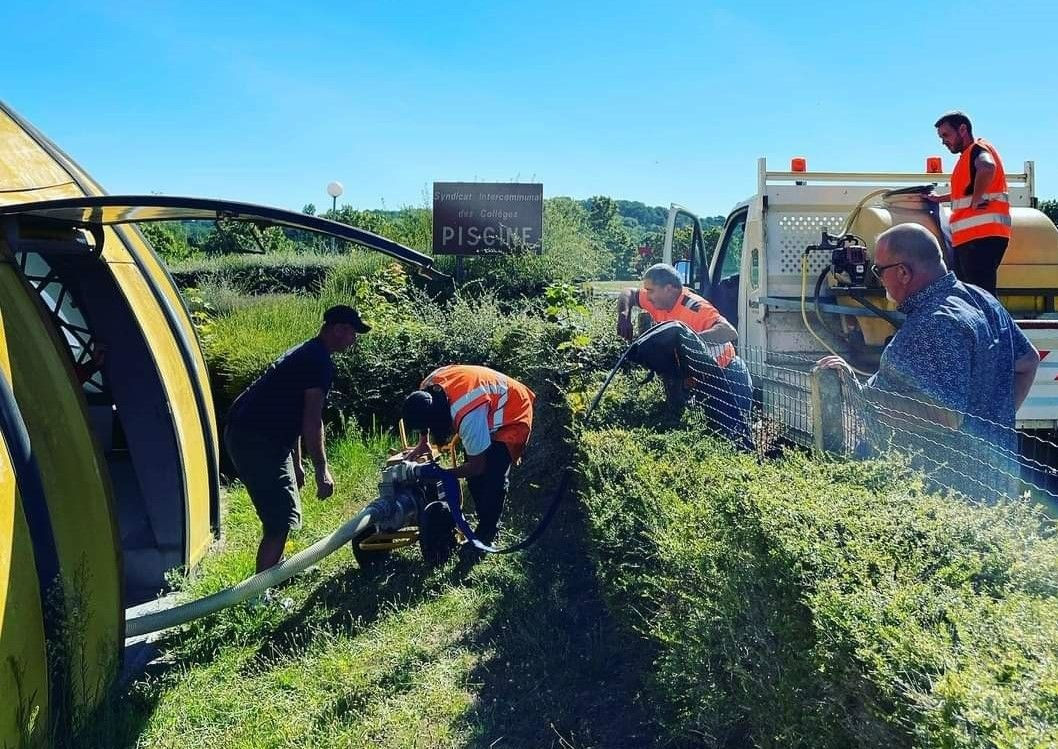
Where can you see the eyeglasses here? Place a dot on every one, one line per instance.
(878, 270)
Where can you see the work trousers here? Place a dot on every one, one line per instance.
(725, 395)
(729, 409)
(489, 490)
(978, 260)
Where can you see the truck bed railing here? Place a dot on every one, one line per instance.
(1026, 178)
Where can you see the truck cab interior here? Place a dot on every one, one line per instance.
(723, 287)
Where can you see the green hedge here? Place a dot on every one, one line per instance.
(811, 603)
(273, 274)
(411, 335)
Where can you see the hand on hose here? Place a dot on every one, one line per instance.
(837, 363)
(416, 451)
(624, 325)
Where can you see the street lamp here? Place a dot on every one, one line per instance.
(334, 189)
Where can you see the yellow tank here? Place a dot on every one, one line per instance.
(1030, 263)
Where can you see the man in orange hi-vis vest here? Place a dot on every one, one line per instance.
(493, 416)
(980, 204)
(663, 297)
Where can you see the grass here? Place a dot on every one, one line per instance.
(515, 651)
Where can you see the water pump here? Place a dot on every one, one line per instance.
(848, 259)
(418, 513)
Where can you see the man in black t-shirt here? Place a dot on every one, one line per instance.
(270, 420)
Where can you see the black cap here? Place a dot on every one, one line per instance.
(344, 314)
(418, 410)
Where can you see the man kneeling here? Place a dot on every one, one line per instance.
(729, 395)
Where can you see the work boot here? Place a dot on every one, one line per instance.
(469, 554)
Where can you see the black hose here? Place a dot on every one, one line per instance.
(819, 312)
(567, 474)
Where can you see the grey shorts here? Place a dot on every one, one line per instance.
(268, 473)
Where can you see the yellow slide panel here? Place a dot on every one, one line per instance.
(76, 485)
(23, 663)
(178, 386)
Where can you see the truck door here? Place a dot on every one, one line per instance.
(685, 248)
(727, 266)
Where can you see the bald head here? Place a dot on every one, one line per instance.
(663, 274)
(914, 245)
(907, 259)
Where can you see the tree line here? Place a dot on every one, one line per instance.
(606, 237)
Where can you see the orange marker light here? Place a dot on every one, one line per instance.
(933, 165)
(798, 164)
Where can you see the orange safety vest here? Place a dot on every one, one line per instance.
(967, 221)
(695, 311)
(509, 402)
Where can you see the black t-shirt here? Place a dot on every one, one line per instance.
(974, 153)
(274, 403)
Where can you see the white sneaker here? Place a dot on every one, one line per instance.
(269, 599)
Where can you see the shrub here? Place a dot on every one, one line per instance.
(811, 603)
(169, 239)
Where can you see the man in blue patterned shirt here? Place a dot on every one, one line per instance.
(959, 360)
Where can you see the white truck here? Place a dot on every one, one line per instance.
(794, 296)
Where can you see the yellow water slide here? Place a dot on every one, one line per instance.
(109, 473)
(165, 471)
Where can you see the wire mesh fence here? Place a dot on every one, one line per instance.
(763, 401)
(957, 451)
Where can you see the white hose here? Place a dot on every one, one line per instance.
(286, 569)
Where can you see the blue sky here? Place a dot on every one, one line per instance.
(269, 101)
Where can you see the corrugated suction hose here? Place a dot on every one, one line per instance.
(257, 584)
